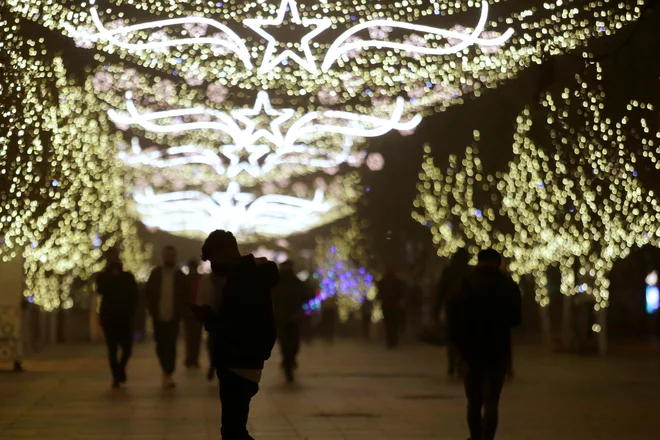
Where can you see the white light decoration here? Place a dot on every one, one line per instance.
(339, 48)
(285, 148)
(354, 124)
(235, 43)
(318, 25)
(194, 212)
(278, 97)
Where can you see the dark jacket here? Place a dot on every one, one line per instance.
(451, 276)
(289, 296)
(244, 326)
(482, 311)
(390, 292)
(153, 290)
(120, 297)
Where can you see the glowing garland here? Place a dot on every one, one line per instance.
(582, 206)
(297, 141)
(65, 203)
(199, 214)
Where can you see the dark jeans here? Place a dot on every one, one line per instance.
(166, 334)
(453, 359)
(483, 387)
(116, 337)
(392, 319)
(288, 337)
(236, 393)
(210, 342)
(193, 333)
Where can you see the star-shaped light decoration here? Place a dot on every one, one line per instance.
(262, 105)
(270, 60)
(236, 160)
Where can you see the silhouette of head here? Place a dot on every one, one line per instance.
(113, 257)
(490, 258)
(169, 256)
(287, 266)
(461, 257)
(221, 249)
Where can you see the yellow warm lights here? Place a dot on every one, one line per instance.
(573, 195)
(62, 201)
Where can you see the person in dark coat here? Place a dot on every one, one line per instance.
(390, 295)
(289, 296)
(167, 295)
(484, 309)
(366, 312)
(191, 325)
(119, 293)
(243, 327)
(457, 269)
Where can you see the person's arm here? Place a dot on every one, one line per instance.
(455, 307)
(101, 285)
(150, 291)
(516, 302)
(440, 294)
(134, 294)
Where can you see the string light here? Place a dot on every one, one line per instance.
(62, 200)
(198, 76)
(63, 162)
(580, 204)
(340, 259)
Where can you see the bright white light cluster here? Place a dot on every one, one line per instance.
(279, 96)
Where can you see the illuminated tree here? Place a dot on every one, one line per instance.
(572, 193)
(343, 269)
(253, 116)
(65, 198)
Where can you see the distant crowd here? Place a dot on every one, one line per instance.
(248, 304)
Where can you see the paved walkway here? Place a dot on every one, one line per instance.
(346, 391)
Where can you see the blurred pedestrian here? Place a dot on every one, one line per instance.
(452, 275)
(119, 298)
(191, 325)
(289, 296)
(486, 306)
(243, 328)
(414, 299)
(390, 295)
(167, 294)
(366, 310)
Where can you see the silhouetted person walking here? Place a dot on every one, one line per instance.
(166, 300)
(484, 309)
(119, 293)
(191, 325)
(390, 295)
(243, 327)
(289, 296)
(457, 269)
(366, 312)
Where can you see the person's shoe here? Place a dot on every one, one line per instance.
(122, 376)
(288, 373)
(18, 368)
(211, 374)
(115, 384)
(168, 382)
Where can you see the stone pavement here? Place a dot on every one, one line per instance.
(349, 390)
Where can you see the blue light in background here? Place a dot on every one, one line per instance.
(652, 299)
